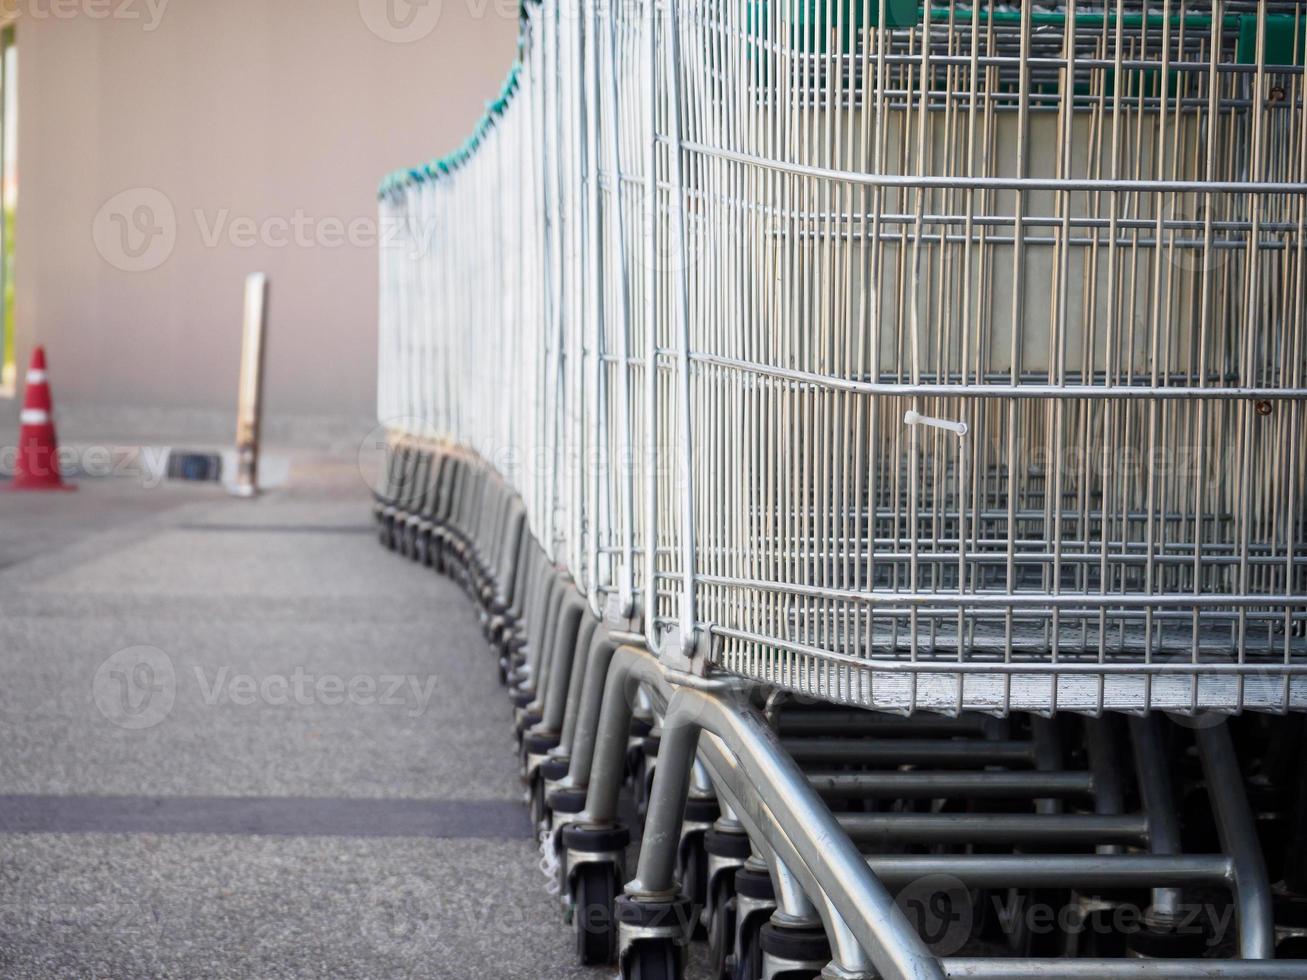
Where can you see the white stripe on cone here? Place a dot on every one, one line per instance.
(35, 416)
(35, 377)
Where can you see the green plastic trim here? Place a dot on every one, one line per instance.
(857, 14)
(398, 181)
(1283, 46)
(1054, 18)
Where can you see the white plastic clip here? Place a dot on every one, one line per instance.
(916, 418)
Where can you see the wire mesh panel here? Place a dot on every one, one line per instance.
(1005, 306)
(919, 356)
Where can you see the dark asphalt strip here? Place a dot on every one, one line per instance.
(264, 817)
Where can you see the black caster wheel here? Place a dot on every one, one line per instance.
(1293, 948)
(633, 764)
(749, 965)
(522, 698)
(748, 931)
(593, 924)
(693, 874)
(1167, 945)
(422, 550)
(1021, 939)
(721, 926)
(653, 959)
(537, 743)
(1098, 938)
(642, 753)
(536, 802)
(802, 945)
(1044, 945)
(642, 778)
(388, 534)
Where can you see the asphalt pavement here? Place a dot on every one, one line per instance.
(240, 739)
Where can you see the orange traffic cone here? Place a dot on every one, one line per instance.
(37, 465)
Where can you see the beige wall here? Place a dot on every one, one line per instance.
(256, 109)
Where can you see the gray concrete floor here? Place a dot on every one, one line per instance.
(241, 739)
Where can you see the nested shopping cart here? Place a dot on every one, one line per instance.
(875, 432)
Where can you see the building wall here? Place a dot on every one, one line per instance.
(265, 126)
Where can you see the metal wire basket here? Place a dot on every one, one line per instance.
(998, 352)
(908, 356)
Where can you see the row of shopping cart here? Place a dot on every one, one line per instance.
(875, 432)
(803, 839)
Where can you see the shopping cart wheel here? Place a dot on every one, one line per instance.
(633, 764)
(522, 698)
(1293, 948)
(422, 549)
(536, 804)
(693, 874)
(719, 913)
(551, 770)
(642, 776)
(1022, 938)
(653, 959)
(795, 953)
(1163, 944)
(564, 804)
(721, 926)
(593, 890)
(555, 768)
(1291, 915)
(754, 887)
(749, 964)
